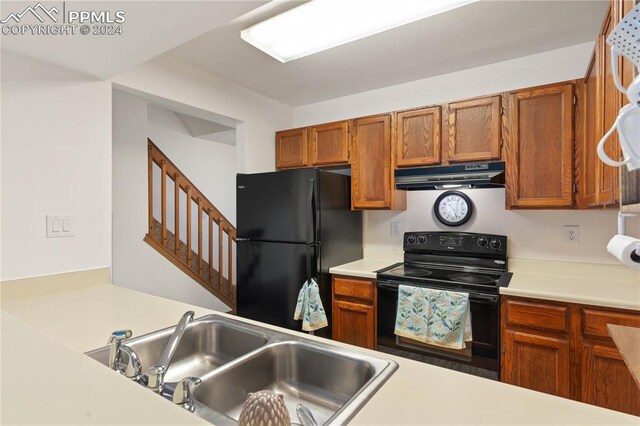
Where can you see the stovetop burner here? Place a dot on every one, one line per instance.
(440, 273)
(472, 278)
(411, 272)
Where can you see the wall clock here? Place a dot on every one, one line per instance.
(453, 208)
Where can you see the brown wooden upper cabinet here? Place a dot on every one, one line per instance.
(329, 143)
(291, 149)
(371, 169)
(591, 100)
(418, 137)
(539, 147)
(608, 182)
(474, 129)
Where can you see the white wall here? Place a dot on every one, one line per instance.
(56, 159)
(170, 80)
(209, 165)
(532, 234)
(548, 67)
(135, 264)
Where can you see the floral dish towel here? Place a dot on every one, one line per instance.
(309, 307)
(435, 317)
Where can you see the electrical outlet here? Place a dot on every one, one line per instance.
(395, 229)
(572, 234)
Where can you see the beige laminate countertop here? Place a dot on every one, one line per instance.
(363, 268)
(608, 285)
(46, 379)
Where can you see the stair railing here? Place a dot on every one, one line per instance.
(180, 250)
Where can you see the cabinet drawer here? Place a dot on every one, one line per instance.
(353, 288)
(594, 322)
(538, 315)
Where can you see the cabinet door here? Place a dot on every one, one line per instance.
(291, 149)
(591, 116)
(371, 178)
(474, 129)
(629, 181)
(609, 182)
(607, 381)
(536, 362)
(329, 143)
(418, 137)
(539, 147)
(354, 323)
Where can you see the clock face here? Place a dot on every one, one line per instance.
(453, 208)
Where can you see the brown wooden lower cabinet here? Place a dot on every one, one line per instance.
(354, 311)
(606, 381)
(567, 352)
(537, 362)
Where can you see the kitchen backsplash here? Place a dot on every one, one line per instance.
(531, 234)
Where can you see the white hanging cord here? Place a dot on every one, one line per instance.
(616, 77)
(626, 112)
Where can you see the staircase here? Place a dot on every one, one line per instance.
(187, 229)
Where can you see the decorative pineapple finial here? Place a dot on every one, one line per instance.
(264, 408)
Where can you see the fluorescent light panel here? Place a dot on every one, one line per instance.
(322, 24)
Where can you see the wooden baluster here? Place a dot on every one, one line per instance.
(230, 265)
(210, 247)
(189, 226)
(150, 190)
(169, 171)
(176, 225)
(164, 202)
(200, 235)
(220, 254)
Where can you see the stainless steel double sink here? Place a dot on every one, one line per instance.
(233, 358)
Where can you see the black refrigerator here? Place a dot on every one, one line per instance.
(292, 225)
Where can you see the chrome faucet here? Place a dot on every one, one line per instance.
(183, 391)
(158, 371)
(114, 343)
(133, 368)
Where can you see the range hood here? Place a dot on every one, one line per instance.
(477, 175)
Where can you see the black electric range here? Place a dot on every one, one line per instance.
(453, 261)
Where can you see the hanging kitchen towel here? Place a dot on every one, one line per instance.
(436, 317)
(309, 307)
(412, 317)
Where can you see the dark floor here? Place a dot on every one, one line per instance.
(452, 365)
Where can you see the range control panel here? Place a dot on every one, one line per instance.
(457, 242)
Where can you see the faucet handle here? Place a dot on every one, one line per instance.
(182, 393)
(133, 368)
(114, 342)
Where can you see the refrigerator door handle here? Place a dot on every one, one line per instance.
(310, 225)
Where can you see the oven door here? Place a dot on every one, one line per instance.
(485, 326)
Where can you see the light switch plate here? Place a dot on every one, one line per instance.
(59, 226)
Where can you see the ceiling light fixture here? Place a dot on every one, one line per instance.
(322, 24)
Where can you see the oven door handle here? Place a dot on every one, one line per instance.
(392, 287)
(490, 298)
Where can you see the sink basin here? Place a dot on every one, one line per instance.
(206, 345)
(233, 358)
(321, 379)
